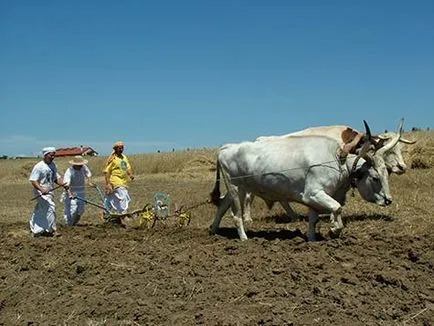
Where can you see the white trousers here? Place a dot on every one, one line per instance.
(119, 200)
(43, 218)
(73, 208)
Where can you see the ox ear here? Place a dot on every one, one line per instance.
(406, 141)
(382, 137)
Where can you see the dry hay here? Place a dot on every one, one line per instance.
(199, 163)
(421, 154)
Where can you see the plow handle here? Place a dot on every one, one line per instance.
(40, 195)
(92, 203)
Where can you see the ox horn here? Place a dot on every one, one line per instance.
(393, 141)
(365, 147)
(368, 130)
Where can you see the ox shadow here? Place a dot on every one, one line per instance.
(366, 217)
(284, 219)
(270, 235)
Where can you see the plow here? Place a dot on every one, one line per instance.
(145, 217)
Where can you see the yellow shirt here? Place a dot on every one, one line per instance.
(117, 171)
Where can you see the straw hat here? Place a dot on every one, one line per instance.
(78, 160)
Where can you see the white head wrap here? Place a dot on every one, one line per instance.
(47, 150)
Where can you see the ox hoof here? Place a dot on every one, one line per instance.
(211, 231)
(316, 237)
(335, 234)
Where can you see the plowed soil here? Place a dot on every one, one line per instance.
(102, 274)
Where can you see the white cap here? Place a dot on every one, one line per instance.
(47, 150)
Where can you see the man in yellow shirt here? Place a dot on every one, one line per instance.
(118, 172)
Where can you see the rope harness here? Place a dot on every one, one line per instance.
(150, 214)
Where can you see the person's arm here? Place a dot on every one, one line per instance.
(66, 182)
(108, 185)
(129, 170)
(88, 175)
(130, 174)
(38, 186)
(59, 181)
(107, 173)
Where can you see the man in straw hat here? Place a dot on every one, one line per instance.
(75, 177)
(43, 177)
(117, 171)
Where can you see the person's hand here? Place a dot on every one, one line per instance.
(108, 189)
(44, 191)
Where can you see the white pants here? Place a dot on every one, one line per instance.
(73, 208)
(43, 218)
(119, 200)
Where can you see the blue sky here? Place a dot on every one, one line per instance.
(190, 74)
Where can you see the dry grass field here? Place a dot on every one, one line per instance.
(379, 272)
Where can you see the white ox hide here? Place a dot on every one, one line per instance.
(310, 170)
(345, 135)
(348, 139)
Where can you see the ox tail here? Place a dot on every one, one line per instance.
(215, 194)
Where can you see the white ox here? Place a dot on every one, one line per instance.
(348, 139)
(311, 170)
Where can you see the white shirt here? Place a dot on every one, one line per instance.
(75, 179)
(45, 174)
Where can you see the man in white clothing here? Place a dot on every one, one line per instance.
(75, 177)
(43, 177)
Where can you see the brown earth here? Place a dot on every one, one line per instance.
(379, 272)
(101, 274)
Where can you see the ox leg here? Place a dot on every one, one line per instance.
(238, 221)
(237, 196)
(237, 214)
(313, 220)
(325, 202)
(336, 224)
(289, 211)
(222, 208)
(247, 215)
